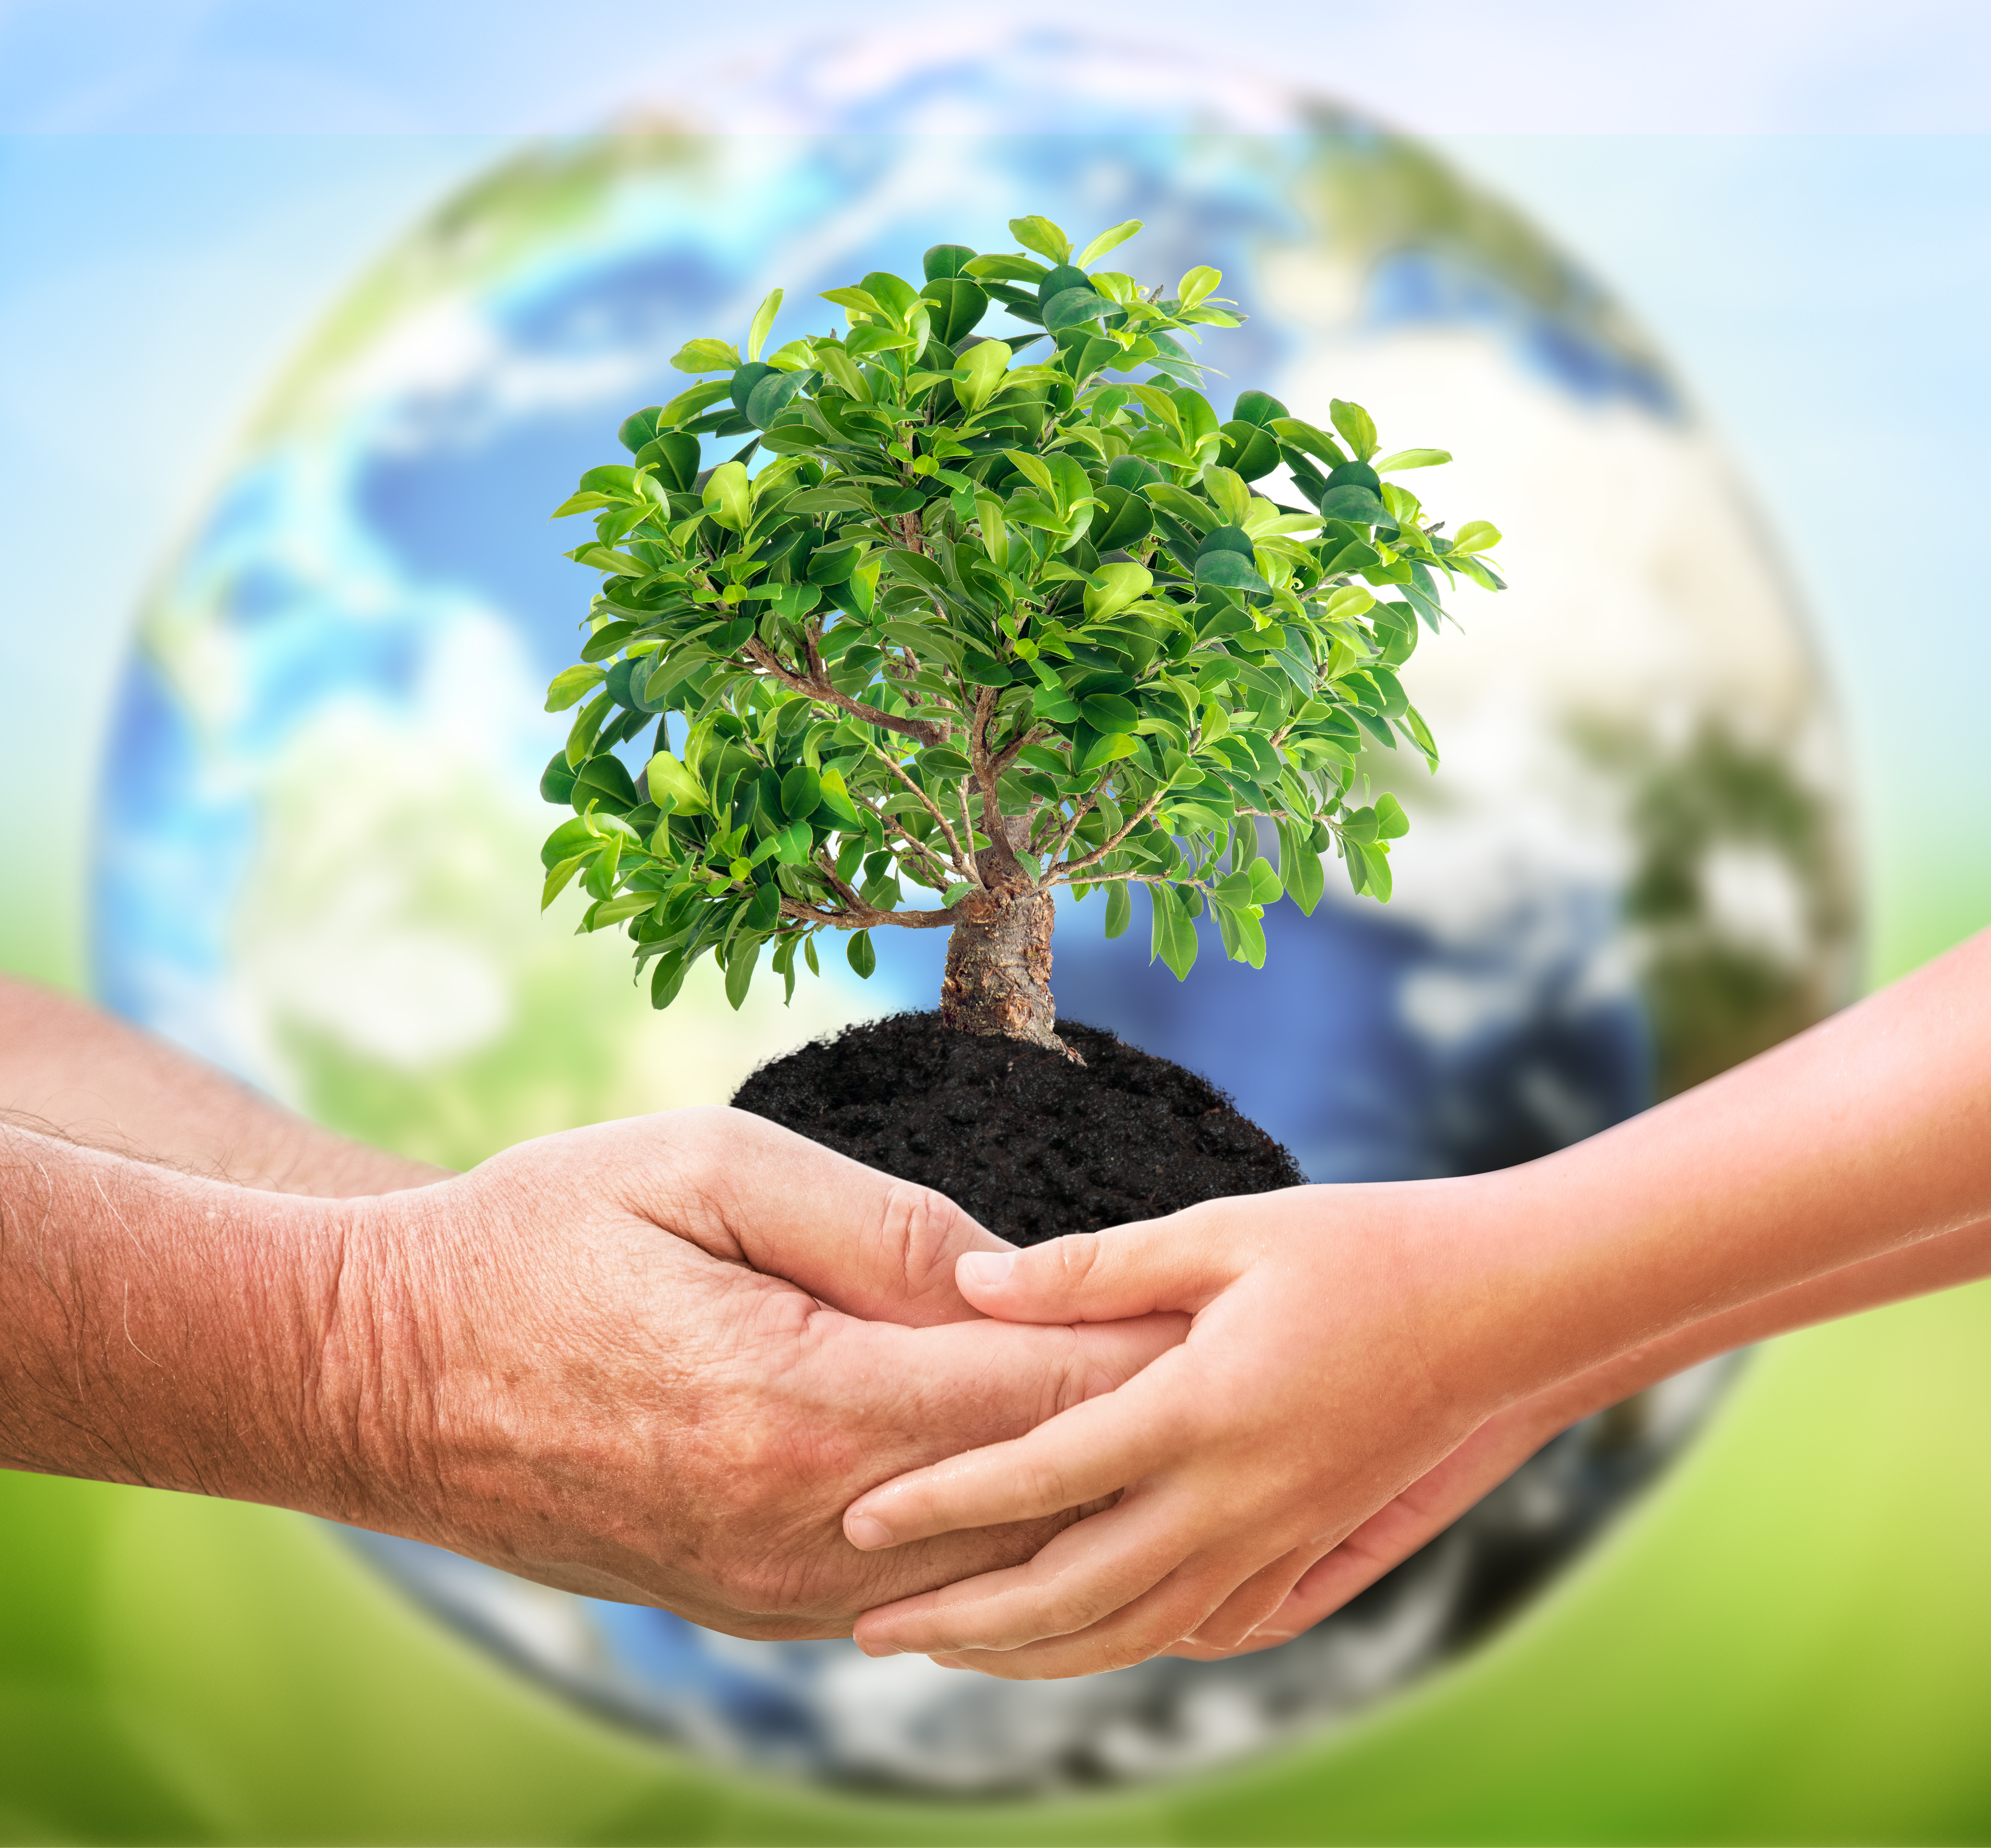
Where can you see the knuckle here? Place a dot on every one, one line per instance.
(1076, 1256)
(922, 1230)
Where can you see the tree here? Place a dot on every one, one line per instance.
(985, 627)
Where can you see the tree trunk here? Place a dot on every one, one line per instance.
(999, 970)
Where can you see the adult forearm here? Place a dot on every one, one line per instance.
(68, 1068)
(1861, 1138)
(167, 1330)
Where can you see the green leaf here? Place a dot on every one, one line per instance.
(1357, 428)
(1040, 235)
(1113, 587)
(1419, 734)
(1092, 750)
(586, 728)
(1124, 518)
(1391, 823)
(1108, 712)
(1107, 240)
(667, 977)
(1230, 570)
(1070, 307)
(1249, 452)
(1225, 487)
(1354, 503)
(979, 375)
(1413, 458)
(1199, 515)
(557, 877)
(801, 791)
(689, 402)
(833, 563)
(1174, 938)
(1055, 704)
(706, 356)
(1257, 408)
(1119, 909)
(667, 777)
(741, 961)
(1375, 869)
(861, 299)
(946, 260)
(639, 427)
(764, 318)
(835, 799)
(1006, 267)
(770, 396)
(569, 684)
(1476, 536)
(675, 456)
(863, 957)
(1300, 869)
(728, 496)
(1196, 284)
(606, 779)
(1309, 438)
(958, 307)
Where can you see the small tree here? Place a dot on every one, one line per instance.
(985, 628)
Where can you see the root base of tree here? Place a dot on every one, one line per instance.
(1033, 1144)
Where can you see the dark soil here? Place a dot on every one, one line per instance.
(1031, 1144)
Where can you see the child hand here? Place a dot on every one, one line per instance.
(1310, 1392)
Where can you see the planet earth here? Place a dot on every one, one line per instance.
(316, 859)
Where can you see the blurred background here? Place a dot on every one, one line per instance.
(305, 327)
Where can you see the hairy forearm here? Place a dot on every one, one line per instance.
(165, 1329)
(1852, 1144)
(70, 1069)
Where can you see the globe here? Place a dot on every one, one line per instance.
(316, 859)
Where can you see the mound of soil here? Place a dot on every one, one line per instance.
(1033, 1145)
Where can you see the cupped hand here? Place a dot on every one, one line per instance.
(650, 1361)
(1314, 1389)
(1326, 1581)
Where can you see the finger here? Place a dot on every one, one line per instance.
(1334, 1575)
(1137, 1556)
(1178, 1262)
(1091, 1449)
(968, 1384)
(1254, 1603)
(1150, 1625)
(860, 1240)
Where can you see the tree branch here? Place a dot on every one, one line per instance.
(1107, 846)
(1002, 859)
(1030, 734)
(917, 845)
(965, 866)
(864, 918)
(927, 731)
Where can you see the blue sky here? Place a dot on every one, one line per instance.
(1796, 201)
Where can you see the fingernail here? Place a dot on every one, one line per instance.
(988, 1268)
(879, 1648)
(866, 1532)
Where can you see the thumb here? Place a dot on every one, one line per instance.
(862, 1241)
(1178, 1262)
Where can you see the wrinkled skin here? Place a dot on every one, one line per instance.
(637, 1362)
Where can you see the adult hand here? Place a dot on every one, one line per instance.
(565, 1362)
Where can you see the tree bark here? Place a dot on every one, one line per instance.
(999, 970)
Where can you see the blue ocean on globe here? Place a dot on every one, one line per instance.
(316, 859)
